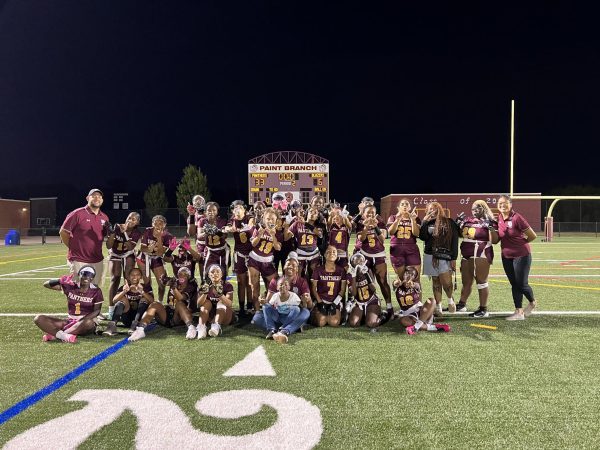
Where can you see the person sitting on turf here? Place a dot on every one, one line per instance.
(181, 301)
(281, 311)
(365, 303)
(84, 301)
(298, 286)
(415, 315)
(215, 303)
(131, 302)
(328, 286)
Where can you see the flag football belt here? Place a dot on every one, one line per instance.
(122, 256)
(262, 259)
(373, 255)
(304, 255)
(237, 255)
(477, 245)
(363, 305)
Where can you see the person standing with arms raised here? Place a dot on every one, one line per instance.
(83, 232)
(515, 236)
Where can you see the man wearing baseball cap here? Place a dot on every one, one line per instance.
(83, 233)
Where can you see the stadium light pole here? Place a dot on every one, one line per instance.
(512, 147)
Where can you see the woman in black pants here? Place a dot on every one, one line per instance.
(515, 235)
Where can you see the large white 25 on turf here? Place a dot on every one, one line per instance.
(162, 424)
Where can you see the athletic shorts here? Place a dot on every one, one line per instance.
(220, 259)
(405, 255)
(374, 261)
(487, 253)
(265, 269)
(428, 269)
(240, 265)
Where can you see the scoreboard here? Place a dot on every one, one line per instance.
(295, 181)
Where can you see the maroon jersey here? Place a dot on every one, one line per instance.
(407, 297)
(298, 287)
(134, 297)
(243, 236)
(149, 239)
(306, 238)
(371, 245)
(286, 246)
(200, 243)
(87, 235)
(189, 293)
(264, 248)
(329, 284)
(81, 303)
(476, 238)
(121, 238)
(364, 287)
(339, 237)
(218, 240)
(214, 297)
(403, 234)
(180, 260)
(511, 230)
(360, 226)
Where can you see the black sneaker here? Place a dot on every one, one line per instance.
(480, 313)
(270, 334)
(461, 307)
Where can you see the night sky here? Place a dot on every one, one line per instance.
(119, 95)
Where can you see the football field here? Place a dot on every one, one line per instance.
(528, 384)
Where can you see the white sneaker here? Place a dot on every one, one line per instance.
(138, 334)
(529, 308)
(516, 316)
(215, 330)
(451, 307)
(201, 329)
(191, 332)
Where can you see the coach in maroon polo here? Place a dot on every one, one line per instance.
(83, 233)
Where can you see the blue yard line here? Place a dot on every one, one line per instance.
(46, 391)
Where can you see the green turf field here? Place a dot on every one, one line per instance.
(530, 384)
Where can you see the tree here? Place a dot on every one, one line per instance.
(192, 182)
(155, 199)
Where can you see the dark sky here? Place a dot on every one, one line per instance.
(122, 94)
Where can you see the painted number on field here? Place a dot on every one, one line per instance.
(162, 424)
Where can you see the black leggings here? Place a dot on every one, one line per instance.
(517, 271)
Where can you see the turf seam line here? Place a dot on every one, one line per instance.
(27, 402)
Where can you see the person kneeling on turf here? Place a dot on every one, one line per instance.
(282, 309)
(130, 303)
(84, 302)
(215, 302)
(365, 303)
(415, 315)
(181, 301)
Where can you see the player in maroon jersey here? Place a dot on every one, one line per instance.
(181, 254)
(479, 231)
(215, 302)
(404, 227)
(241, 225)
(363, 302)
(328, 287)
(196, 212)
(306, 232)
(339, 233)
(260, 263)
(131, 302)
(283, 208)
(155, 242)
(121, 243)
(212, 231)
(357, 221)
(414, 314)
(372, 237)
(84, 302)
(181, 303)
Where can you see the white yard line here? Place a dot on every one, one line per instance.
(62, 266)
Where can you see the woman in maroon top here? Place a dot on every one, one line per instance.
(515, 235)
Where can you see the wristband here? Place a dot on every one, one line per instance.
(53, 283)
(337, 300)
(377, 231)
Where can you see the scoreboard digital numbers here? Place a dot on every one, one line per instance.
(295, 181)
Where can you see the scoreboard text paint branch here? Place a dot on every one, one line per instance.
(297, 175)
